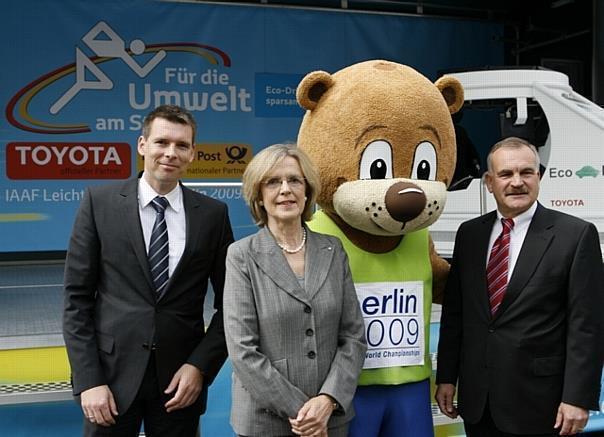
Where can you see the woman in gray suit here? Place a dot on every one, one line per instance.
(293, 327)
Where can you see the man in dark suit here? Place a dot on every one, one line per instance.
(136, 276)
(521, 327)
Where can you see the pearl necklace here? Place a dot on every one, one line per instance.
(297, 249)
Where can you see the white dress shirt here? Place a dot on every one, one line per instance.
(175, 219)
(517, 235)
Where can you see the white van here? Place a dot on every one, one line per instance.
(567, 129)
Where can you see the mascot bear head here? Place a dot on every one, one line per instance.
(382, 137)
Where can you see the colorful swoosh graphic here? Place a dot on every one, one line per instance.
(22, 217)
(17, 112)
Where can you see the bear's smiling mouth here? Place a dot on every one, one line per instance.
(389, 228)
(419, 225)
(382, 228)
(362, 204)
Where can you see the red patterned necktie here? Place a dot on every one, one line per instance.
(497, 267)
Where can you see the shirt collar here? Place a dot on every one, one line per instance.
(146, 194)
(523, 218)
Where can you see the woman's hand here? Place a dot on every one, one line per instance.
(313, 417)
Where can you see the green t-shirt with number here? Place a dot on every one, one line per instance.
(409, 261)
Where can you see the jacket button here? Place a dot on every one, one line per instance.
(309, 332)
(491, 330)
(307, 309)
(312, 355)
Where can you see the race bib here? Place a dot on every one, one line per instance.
(394, 323)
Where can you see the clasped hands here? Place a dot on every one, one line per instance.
(99, 405)
(312, 418)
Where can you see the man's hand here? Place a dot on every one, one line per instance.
(187, 381)
(312, 418)
(571, 419)
(444, 398)
(98, 405)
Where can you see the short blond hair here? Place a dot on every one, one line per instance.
(263, 163)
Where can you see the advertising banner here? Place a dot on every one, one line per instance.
(79, 77)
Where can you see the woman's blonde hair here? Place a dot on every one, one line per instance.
(256, 171)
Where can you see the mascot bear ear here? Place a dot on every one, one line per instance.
(452, 91)
(312, 88)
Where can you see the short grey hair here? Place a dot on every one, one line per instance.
(512, 143)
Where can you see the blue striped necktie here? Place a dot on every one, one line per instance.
(158, 246)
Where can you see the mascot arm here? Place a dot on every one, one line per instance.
(440, 271)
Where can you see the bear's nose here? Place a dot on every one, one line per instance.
(405, 201)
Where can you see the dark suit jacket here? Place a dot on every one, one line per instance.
(113, 319)
(545, 343)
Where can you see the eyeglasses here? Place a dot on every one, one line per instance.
(294, 182)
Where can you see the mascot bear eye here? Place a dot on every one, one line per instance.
(378, 169)
(424, 163)
(376, 162)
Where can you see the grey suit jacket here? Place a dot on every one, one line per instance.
(288, 344)
(544, 344)
(113, 319)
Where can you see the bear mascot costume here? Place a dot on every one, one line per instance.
(383, 140)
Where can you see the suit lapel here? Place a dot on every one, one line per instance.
(129, 207)
(483, 235)
(536, 242)
(316, 264)
(192, 219)
(271, 261)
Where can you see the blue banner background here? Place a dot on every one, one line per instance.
(266, 47)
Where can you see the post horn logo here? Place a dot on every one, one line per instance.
(235, 153)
